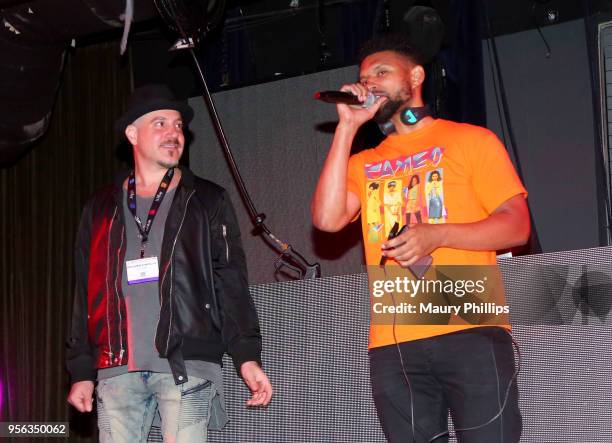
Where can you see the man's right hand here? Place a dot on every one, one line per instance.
(355, 116)
(81, 395)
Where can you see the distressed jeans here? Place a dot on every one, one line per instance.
(127, 404)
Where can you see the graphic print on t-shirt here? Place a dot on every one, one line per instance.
(434, 194)
(374, 212)
(412, 196)
(392, 203)
(404, 190)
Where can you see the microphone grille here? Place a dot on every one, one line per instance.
(369, 101)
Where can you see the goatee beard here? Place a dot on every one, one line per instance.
(168, 165)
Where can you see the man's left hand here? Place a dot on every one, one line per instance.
(257, 381)
(414, 243)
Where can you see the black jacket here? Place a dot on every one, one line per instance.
(206, 309)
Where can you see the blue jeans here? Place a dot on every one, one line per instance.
(465, 372)
(127, 404)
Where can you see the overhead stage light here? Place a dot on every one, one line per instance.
(425, 30)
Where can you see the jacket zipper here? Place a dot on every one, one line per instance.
(108, 328)
(117, 273)
(161, 286)
(226, 244)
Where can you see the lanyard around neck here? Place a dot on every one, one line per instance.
(157, 201)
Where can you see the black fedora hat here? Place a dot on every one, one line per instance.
(151, 98)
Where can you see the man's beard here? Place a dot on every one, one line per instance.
(168, 165)
(386, 111)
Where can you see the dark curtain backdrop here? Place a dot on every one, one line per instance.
(462, 61)
(41, 199)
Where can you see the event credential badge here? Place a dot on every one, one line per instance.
(142, 270)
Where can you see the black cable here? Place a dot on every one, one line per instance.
(394, 233)
(399, 351)
(471, 428)
(548, 51)
(503, 406)
(535, 22)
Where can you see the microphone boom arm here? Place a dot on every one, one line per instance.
(289, 257)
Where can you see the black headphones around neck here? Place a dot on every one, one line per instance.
(408, 116)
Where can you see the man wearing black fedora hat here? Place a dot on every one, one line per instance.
(161, 290)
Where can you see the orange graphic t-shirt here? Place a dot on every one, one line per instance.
(446, 172)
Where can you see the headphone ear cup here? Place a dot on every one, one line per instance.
(408, 117)
(411, 116)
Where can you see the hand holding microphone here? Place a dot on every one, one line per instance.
(356, 104)
(346, 98)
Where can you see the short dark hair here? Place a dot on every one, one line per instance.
(435, 171)
(418, 181)
(390, 42)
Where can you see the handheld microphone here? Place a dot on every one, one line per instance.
(345, 97)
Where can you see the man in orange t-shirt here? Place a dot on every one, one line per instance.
(470, 204)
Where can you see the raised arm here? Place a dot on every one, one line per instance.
(333, 207)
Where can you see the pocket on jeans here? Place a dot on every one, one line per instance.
(99, 387)
(195, 405)
(196, 388)
(104, 424)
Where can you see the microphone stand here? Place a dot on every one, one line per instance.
(289, 257)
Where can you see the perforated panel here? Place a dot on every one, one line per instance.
(315, 352)
(315, 338)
